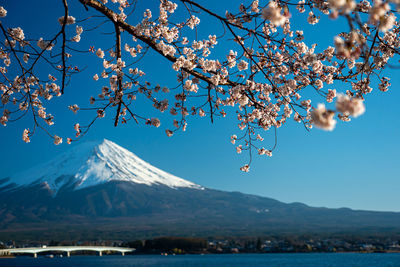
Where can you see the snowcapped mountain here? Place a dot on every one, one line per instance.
(94, 163)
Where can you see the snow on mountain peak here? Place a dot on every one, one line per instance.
(93, 163)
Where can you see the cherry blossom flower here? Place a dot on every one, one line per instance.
(323, 118)
(17, 34)
(169, 133)
(273, 14)
(344, 6)
(74, 108)
(57, 140)
(155, 122)
(233, 139)
(76, 38)
(70, 20)
(350, 106)
(77, 128)
(387, 22)
(3, 12)
(79, 30)
(100, 113)
(263, 151)
(254, 6)
(242, 65)
(312, 18)
(100, 53)
(331, 95)
(193, 22)
(25, 136)
(245, 168)
(44, 44)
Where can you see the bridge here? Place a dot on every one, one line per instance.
(67, 249)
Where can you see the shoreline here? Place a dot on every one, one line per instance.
(208, 254)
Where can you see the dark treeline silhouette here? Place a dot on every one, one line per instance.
(182, 245)
(169, 244)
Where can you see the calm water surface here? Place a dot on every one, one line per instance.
(242, 260)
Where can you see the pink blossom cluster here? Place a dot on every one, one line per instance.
(271, 74)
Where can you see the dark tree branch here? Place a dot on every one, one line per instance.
(63, 45)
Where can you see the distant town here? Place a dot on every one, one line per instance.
(183, 245)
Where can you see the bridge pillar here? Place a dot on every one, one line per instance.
(35, 255)
(68, 254)
(123, 253)
(100, 253)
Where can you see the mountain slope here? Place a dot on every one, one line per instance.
(102, 190)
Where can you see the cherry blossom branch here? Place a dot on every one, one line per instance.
(63, 44)
(118, 94)
(147, 40)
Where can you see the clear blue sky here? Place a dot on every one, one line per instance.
(357, 165)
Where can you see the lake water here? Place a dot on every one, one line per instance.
(242, 260)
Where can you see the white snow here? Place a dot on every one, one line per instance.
(95, 163)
